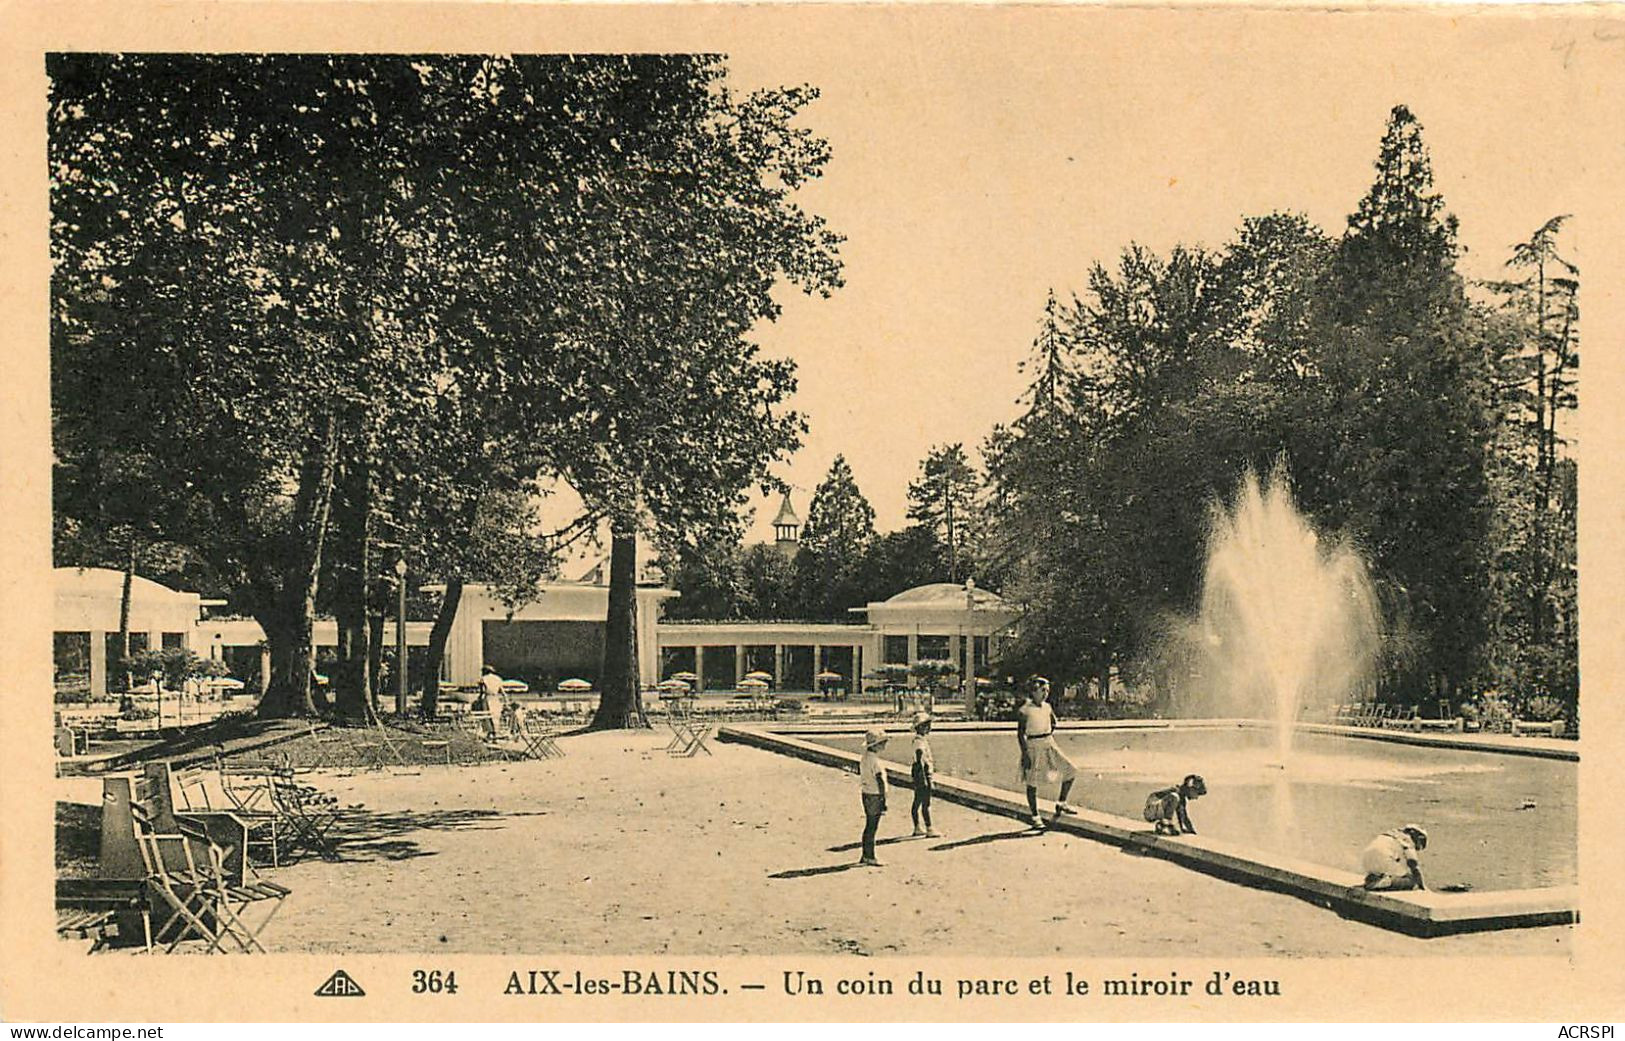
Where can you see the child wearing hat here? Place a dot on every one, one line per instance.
(1167, 807)
(921, 769)
(872, 779)
(1392, 860)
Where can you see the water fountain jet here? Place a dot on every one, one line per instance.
(1287, 618)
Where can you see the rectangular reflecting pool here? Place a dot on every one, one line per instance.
(1495, 821)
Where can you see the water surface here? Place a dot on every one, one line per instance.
(1332, 797)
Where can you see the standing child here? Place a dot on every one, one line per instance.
(921, 769)
(1042, 761)
(1166, 807)
(872, 776)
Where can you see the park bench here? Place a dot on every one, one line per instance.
(1524, 728)
(98, 909)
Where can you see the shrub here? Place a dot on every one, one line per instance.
(75, 695)
(1000, 705)
(1496, 712)
(1544, 709)
(139, 713)
(933, 672)
(787, 705)
(892, 675)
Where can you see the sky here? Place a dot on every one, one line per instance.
(978, 162)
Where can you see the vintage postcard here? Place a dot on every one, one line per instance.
(811, 512)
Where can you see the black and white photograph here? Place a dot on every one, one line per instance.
(1091, 494)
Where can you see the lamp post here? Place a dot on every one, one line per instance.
(400, 637)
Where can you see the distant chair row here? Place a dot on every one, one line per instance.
(1381, 715)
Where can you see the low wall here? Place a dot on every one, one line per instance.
(1418, 913)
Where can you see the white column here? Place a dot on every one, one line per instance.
(739, 662)
(778, 666)
(98, 662)
(649, 641)
(699, 667)
(265, 667)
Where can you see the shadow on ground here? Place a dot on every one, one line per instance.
(361, 835)
(992, 836)
(809, 872)
(850, 846)
(358, 835)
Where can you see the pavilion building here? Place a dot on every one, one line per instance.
(559, 635)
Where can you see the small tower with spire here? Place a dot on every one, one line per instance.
(787, 529)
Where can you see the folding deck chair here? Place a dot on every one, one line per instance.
(301, 814)
(187, 875)
(688, 731)
(539, 737)
(203, 790)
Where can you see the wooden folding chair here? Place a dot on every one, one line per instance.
(303, 814)
(383, 748)
(327, 747)
(676, 718)
(689, 731)
(537, 738)
(186, 872)
(247, 797)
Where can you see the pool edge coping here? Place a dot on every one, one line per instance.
(1420, 739)
(1425, 913)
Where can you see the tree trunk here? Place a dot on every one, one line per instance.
(375, 652)
(355, 695)
(124, 616)
(289, 622)
(293, 659)
(620, 703)
(437, 645)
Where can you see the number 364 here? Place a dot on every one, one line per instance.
(436, 982)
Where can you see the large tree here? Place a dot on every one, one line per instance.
(942, 500)
(1358, 362)
(1406, 400)
(677, 412)
(289, 257)
(834, 543)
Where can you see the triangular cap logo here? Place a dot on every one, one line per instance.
(340, 985)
